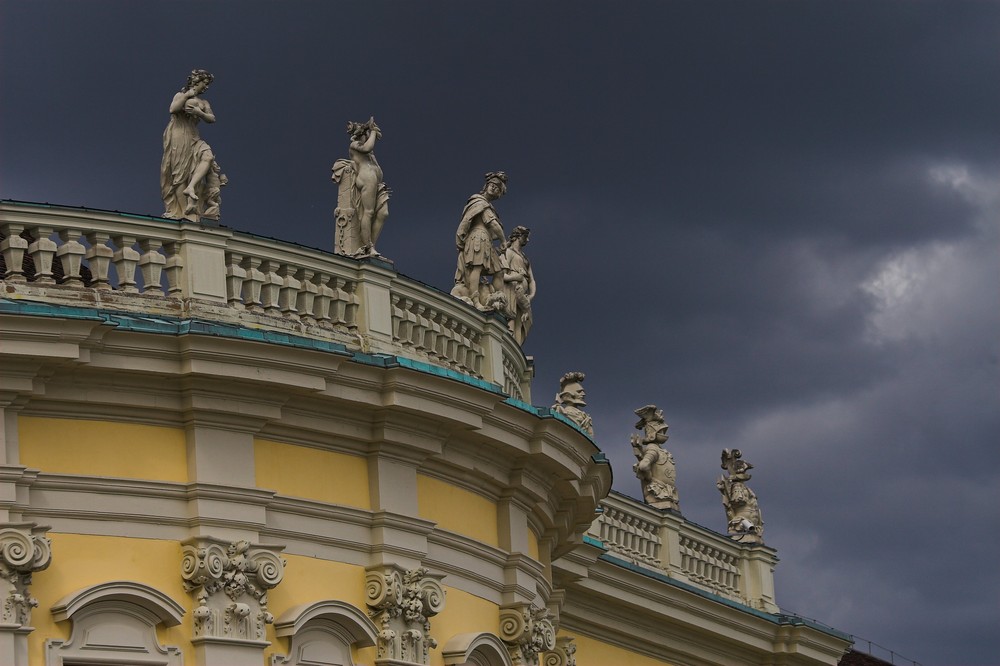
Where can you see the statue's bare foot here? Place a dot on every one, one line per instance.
(189, 193)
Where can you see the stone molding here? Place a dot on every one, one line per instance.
(230, 581)
(24, 550)
(528, 631)
(333, 620)
(402, 603)
(475, 649)
(102, 613)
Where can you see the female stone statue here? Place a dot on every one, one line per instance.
(518, 284)
(190, 178)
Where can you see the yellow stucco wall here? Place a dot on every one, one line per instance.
(591, 652)
(463, 613)
(79, 561)
(457, 510)
(103, 448)
(301, 471)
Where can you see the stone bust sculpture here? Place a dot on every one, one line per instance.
(745, 522)
(478, 259)
(655, 467)
(190, 178)
(362, 196)
(571, 398)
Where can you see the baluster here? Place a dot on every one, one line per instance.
(452, 350)
(42, 250)
(406, 323)
(396, 315)
(338, 306)
(98, 256)
(70, 254)
(353, 301)
(324, 294)
(289, 292)
(252, 284)
(419, 325)
(433, 335)
(306, 298)
(151, 264)
(270, 288)
(125, 260)
(235, 275)
(13, 248)
(173, 267)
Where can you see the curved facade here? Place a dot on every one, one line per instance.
(223, 449)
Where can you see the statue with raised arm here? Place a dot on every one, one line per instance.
(478, 259)
(571, 398)
(518, 284)
(190, 178)
(362, 196)
(655, 467)
(745, 522)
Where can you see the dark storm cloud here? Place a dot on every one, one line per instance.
(776, 220)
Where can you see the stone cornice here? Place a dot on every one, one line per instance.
(624, 607)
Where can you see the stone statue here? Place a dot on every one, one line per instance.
(518, 284)
(478, 260)
(655, 469)
(570, 399)
(362, 197)
(745, 522)
(190, 178)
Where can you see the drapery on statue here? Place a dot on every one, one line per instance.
(190, 178)
(571, 398)
(745, 522)
(478, 260)
(518, 284)
(655, 469)
(362, 196)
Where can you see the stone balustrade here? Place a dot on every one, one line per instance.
(155, 266)
(665, 542)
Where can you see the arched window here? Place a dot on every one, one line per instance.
(115, 623)
(475, 649)
(322, 633)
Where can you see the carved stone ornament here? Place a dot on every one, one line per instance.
(401, 603)
(527, 631)
(230, 581)
(362, 196)
(24, 549)
(745, 522)
(564, 653)
(655, 467)
(571, 398)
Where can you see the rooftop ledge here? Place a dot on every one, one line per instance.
(114, 262)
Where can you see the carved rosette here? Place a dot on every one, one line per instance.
(401, 603)
(24, 549)
(564, 653)
(527, 631)
(230, 581)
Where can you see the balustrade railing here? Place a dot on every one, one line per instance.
(665, 542)
(149, 265)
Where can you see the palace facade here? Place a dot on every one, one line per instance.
(225, 450)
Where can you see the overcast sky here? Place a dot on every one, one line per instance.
(777, 221)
